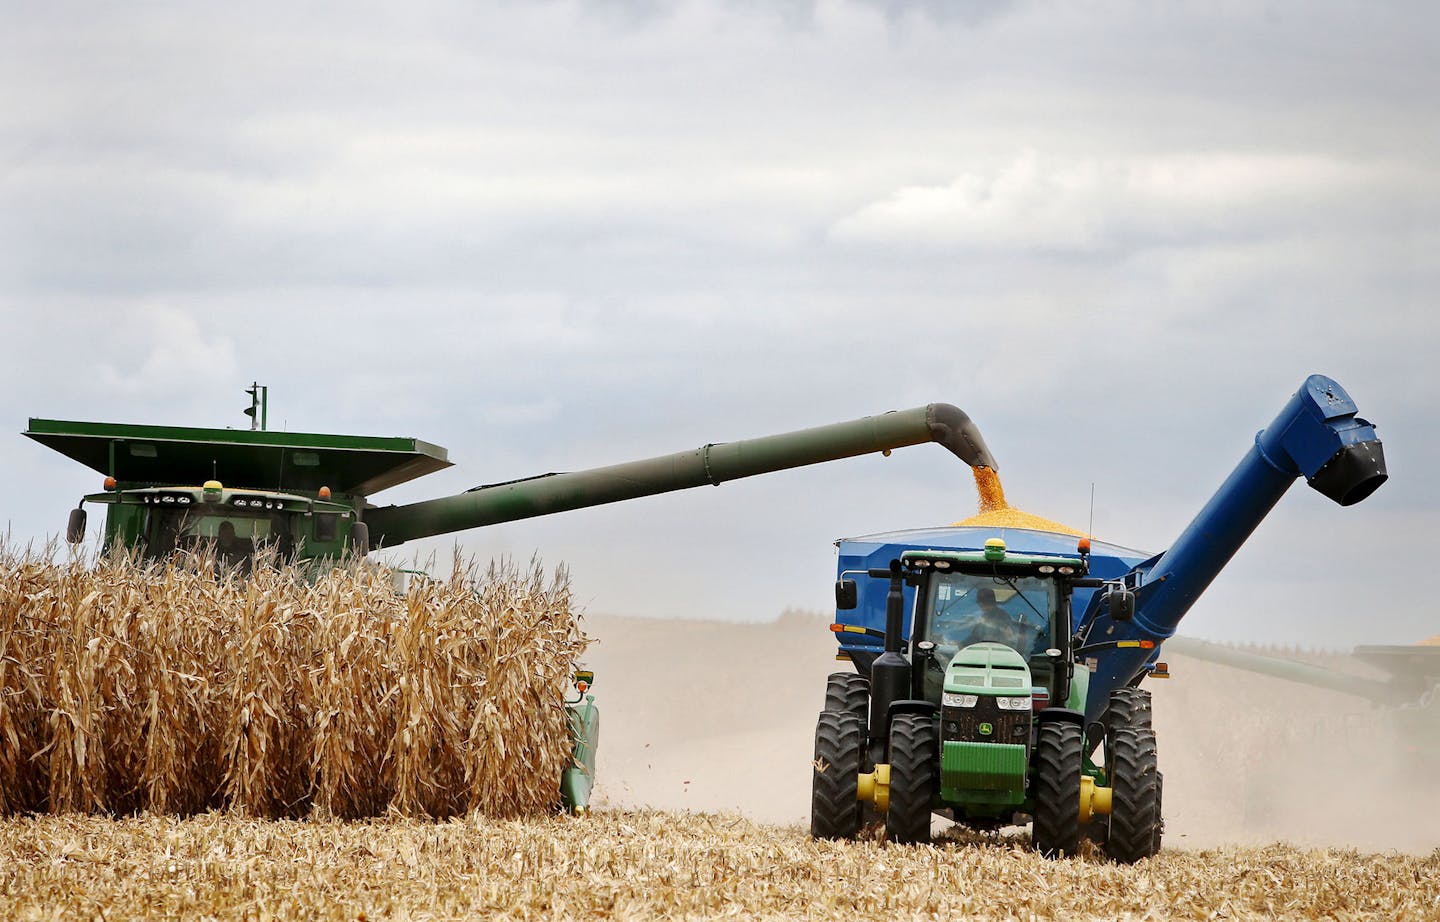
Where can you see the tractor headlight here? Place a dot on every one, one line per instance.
(956, 700)
(1013, 704)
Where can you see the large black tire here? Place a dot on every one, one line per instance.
(1128, 708)
(1133, 769)
(1159, 812)
(848, 693)
(834, 811)
(914, 758)
(1059, 762)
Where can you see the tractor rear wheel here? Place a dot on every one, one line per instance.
(913, 754)
(1159, 812)
(834, 809)
(1128, 708)
(848, 693)
(1133, 770)
(1059, 762)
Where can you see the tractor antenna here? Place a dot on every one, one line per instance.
(1090, 529)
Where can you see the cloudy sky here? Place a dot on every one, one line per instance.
(553, 235)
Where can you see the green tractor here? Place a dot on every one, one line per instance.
(1024, 662)
(984, 720)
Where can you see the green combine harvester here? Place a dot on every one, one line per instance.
(308, 495)
(1408, 697)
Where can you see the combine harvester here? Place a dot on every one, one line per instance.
(994, 664)
(1409, 694)
(170, 488)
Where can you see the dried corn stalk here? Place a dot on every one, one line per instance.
(128, 686)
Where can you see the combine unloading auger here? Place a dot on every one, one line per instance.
(709, 465)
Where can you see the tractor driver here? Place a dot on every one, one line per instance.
(230, 548)
(988, 622)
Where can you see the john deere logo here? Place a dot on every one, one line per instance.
(986, 729)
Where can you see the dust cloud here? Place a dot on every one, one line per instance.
(707, 715)
(1250, 758)
(712, 716)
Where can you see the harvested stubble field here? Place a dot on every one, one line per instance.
(642, 865)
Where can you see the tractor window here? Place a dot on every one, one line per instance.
(965, 609)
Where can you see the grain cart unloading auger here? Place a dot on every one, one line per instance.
(169, 488)
(993, 664)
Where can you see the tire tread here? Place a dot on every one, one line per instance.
(914, 753)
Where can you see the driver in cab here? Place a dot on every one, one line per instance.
(987, 621)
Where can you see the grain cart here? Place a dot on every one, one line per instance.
(993, 665)
(169, 488)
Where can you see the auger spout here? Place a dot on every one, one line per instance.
(712, 464)
(1317, 436)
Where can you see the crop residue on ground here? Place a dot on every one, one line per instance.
(637, 865)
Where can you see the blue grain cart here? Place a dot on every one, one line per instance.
(998, 671)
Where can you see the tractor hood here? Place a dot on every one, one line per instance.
(987, 668)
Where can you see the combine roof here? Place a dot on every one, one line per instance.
(354, 464)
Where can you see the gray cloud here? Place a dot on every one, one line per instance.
(555, 235)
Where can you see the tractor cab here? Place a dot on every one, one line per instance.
(991, 601)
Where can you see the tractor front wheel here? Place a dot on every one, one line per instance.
(1059, 761)
(913, 754)
(834, 808)
(1133, 769)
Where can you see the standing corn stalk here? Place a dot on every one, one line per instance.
(173, 687)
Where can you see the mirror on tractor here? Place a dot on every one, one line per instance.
(75, 528)
(1122, 604)
(846, 595)
(360, 539)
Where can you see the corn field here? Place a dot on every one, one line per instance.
(176, 688)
